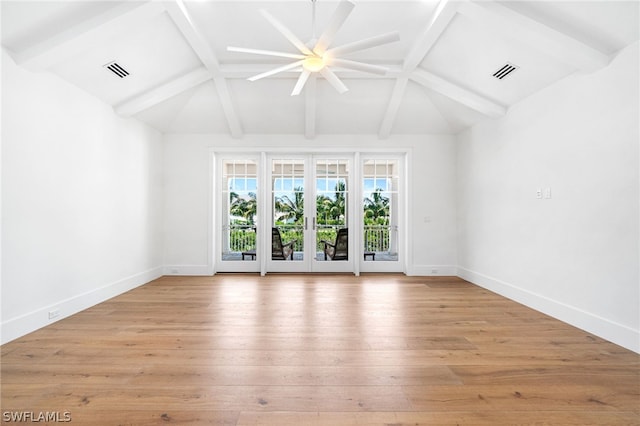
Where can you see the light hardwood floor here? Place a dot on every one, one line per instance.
(318, 350)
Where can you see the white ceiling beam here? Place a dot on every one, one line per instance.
(535, 34)
(310, 92)
(393, 107)
(459, 94)
(187, 26)
(183, 20)
(84, 36)
(224, 94)
(441, 18)
(163, 92)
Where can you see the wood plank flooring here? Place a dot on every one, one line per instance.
(238, 349)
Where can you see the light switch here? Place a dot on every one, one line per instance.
(547, 193)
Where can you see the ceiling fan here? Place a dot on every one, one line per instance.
(315, 56)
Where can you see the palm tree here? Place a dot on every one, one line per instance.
(376, 208)
(376, 217)
(323, 208)
(242, 207)
(339, 204)
(291, 210)
(332, 209)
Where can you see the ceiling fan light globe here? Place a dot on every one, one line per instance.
(313, 63)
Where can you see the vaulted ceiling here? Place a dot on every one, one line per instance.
(439, 80)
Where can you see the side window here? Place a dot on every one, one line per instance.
(380, 180)
(239, 209)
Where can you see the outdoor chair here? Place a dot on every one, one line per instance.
(340, 249)
(280, 251)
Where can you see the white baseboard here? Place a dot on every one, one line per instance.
(432, 270)
(614, 332)
(26, 323)
(190, 270)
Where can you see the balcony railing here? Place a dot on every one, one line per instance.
(240, 238)
(377, 238)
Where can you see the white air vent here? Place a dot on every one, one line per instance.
(117, 69)
(505, 70)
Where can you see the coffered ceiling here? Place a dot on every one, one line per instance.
(180, 77)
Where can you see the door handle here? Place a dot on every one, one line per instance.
(305, 223)
(314, 223)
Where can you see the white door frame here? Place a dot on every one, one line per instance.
(249, 264)
(355, 221)
(309, 262)
(399, 265)
(284, 265)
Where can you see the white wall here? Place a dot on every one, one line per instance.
(188, 180)
(86, 216)
(81, 200)
(575, 255)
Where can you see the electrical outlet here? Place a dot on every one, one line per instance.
(54, 313)
(434, 271)
(539, 193)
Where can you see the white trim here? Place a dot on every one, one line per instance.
(617, 333)
(347, 266)
(303, 150)
(264, 240)
(309, 263)
(432, 270)
(187, 270)
(300, 266)
(356, 219)
(215, 216)
(403, 159)
(19, 326)
(459, 94)
(403, 155)
(381, 266)
(211, 206)
(162, 92)
(407, 243)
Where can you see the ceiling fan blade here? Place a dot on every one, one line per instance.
(363, 44)
(304, 76)
(339, 16)
(333, 80)
(276, 70)
(358, 66)
(287, 33)
(265, 52)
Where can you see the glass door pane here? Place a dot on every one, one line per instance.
(239, 213)
(331, 215)
(310, 209)
(288, 210)
(380, 210)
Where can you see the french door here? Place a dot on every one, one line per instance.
(309, 213)
(239, 245)
(382, 213)
(310, 205)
